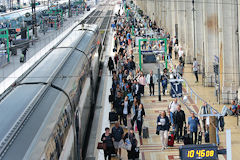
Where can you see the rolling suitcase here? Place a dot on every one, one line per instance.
(145, 132)
(136, 152)
(171, 139)
(113, 117)
(187, 139)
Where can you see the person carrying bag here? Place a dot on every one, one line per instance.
(131, 144)
(107, 144)
(163, 126)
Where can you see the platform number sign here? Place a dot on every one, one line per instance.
(192, 152)
(176, 88)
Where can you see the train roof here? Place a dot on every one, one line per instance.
(18, 102)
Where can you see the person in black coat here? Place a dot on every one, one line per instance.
(117, 105)
(138, 117)
(110, 65)
(178, 119)
(107, 138)
(133, 140)
(163, 126)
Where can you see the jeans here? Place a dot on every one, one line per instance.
(178, 131)
(196, 75)
(194, 137)
(125, 119)
(139, 126)
(226, 110)
(141, 89)
(151, 88)
(204, 124)
(164, 88)
(164, 137)
(171, 119)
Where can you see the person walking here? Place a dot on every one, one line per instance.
(131, 136)
(142, 83)
(139, 115)
(195, 69)
(164, 79)
(205, 109)
(193, 124)
(172, 108)
(151, 80)
(180, 69)
(107, 139)
(110, 65)
(126, 110)
(117, 133)
(163, 126)
(179, 119)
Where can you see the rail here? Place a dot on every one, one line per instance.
(196, 96)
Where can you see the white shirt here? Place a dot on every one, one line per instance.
(180, 53)
(173, 107)
(162, 121)
(125, 109)
(195, 66)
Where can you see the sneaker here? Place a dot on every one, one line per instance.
(162, 149)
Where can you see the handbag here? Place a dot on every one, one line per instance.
(128, 144)
(102, 146)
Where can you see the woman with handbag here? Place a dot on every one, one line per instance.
(163, 126)
(131, 141)
(139, 115)
(107, 143)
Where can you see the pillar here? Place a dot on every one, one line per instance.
(174, 17)
(228, 49)
(210, 20)
(168, 17)
(181, 22)
(189, 32)
(199, 43)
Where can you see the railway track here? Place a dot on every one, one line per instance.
(6, 142)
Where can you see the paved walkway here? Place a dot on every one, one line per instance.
(150, 149)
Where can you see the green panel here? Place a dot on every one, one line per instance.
(152, 39)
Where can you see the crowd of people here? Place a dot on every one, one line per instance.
(128, 87)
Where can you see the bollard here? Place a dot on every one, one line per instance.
(212, 129)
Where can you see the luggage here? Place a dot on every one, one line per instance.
(171, 139)
(110, 98)
(137, 152)
(21, 59)
(114, 50)
(187, 139)
(199, 137)
(206, 136)
(113, 117)
(145, 132)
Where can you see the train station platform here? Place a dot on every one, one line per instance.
(40, 46)
(150, 148)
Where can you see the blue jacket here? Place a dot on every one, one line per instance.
(163, 127)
